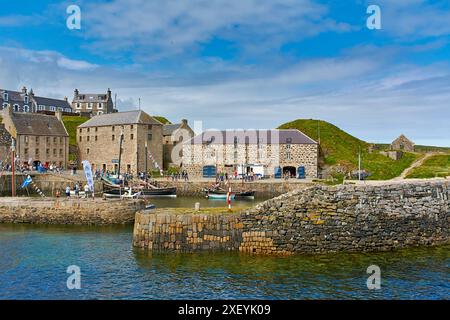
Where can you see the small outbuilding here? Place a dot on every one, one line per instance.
(402, 143)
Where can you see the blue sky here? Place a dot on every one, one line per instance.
(246, 63)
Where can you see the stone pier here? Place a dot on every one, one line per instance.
(321, 219)
(68, 211)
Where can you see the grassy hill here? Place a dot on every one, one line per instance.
(163, 120)
(71, 123)
(340, 149)
(435, 166)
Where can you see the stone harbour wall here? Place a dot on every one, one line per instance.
(264, 189)
(63, 211)
(321, 219)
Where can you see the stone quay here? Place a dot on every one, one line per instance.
(320, 219)
(68, 211)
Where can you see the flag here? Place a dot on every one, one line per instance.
(88, 173)
(27, 181)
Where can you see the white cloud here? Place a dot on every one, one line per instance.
(159, 28)
(375, 99)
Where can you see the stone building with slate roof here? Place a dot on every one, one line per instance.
(99, 138)
(173, 135)
(27, 101)
(402, 143)
(93, 103)
(39, 138)
(277, 151)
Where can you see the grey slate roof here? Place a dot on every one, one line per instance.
(91, 97)
(52, 102)
(120, 118)
(168, 129)
(273, 136)
(38, 124)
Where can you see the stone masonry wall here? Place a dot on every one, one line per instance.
(63, 211)
(317, 220)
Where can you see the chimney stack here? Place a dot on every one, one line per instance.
(58, 115)
(24, 90)
(184, 122)
(75, 93)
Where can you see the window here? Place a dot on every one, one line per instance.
(54, 152)
(113, 128)
(235, 156)
(5, 105)
(81, 138)
(288, 155)
(16, 108)
(41, 107)
(95, 138)
(100, 106)
(37, 152)
(60, 140)
(149, 137)
(87, 138)
(5, 96)
(288, 147)
(26, 108)
(96, 129)
(54, 139)
(26, 151)
(87, 151)
(52, 108)
(113, 137)
(68, 110)
(81, 130)
(37, 141)
(131, 136)
(60, 152)
(47, 140)
(131, 127)
(25, 99)
(78, 105)
(47, 151)
(89, 105)
(26, 139)
(88, 129)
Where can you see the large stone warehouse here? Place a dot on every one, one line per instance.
(272, 153)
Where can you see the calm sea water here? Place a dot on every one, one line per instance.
(34, 259)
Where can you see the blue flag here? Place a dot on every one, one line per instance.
(27, 181)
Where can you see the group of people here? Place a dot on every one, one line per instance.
(183, 175)
(77, 191)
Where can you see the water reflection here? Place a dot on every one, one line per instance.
(33, 262)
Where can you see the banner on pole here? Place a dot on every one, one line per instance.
(88, 172)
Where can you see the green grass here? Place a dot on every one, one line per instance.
(338, 148)
(71, 123)
(435, 166)
(162, 119)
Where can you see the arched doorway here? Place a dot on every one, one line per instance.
(290, 171)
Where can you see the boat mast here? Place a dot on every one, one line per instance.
(120, 151)
(13, 160)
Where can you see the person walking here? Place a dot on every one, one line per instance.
(68, 191)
